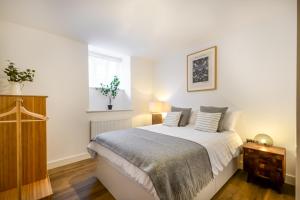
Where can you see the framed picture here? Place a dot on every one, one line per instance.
(202, 70)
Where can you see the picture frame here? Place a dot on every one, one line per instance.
(202, 70)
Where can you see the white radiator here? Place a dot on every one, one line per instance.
(97, 127)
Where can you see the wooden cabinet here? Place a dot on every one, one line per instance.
(265, 162)
(34, 149)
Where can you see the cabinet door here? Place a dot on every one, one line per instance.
(264, 166)
(33, 143)
(249, 160)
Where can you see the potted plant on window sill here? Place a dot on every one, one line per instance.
(111, 90)
(17, 78)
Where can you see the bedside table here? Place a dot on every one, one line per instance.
(156, 118)
(265, 162)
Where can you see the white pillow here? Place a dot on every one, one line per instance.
(230, 119)
(172, 119)
(193, 117)
(207, 122)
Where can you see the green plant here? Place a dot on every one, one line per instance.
(111, 90)
(14, 75)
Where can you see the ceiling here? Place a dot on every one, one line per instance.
(136, 27)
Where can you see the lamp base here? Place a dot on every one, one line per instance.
(156, 118)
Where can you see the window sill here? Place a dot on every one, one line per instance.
(102, 111)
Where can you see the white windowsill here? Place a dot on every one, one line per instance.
(95, 111)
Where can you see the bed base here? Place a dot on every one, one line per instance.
(123, 187)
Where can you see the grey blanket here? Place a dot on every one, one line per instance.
(178, 168)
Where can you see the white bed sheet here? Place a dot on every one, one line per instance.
(221, 148)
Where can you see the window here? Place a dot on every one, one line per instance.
(103, 66)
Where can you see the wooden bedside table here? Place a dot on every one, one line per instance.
(265, 162)
(156, 118)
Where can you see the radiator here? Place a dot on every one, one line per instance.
(97, 127)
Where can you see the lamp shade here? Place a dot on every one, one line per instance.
(155, 107)
(165, 107)
(159, 106)
(264, 139)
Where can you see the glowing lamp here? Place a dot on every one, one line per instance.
(264, 139)
(156, 108)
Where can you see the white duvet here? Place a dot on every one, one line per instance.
(221, 148)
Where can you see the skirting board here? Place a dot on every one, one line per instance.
(290, 179)
(68, 160)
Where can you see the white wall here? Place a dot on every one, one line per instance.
(142, 89)
(256, 72)
(62, 74)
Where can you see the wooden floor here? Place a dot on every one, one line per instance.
(76, 181)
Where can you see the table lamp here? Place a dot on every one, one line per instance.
(264, 139)
(156, 108)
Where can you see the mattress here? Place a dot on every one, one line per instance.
(221, 148)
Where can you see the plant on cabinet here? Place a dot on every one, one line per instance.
(16, 78)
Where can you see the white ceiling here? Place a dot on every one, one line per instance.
(136, 27)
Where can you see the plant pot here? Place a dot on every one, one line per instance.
(15, 88)
(109, 107)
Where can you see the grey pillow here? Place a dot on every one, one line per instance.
(185, 115)
(211, 109)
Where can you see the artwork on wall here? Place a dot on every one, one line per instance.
(202, 70)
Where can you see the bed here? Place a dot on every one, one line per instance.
(125, 181)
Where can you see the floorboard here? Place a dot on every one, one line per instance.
(77, 181)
